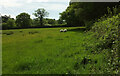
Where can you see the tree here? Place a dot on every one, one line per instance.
(71, 16)
(11, 23)
(4, 26)
(40, 14)
(7, 22)
(5, 18)
(60, 21)
(84, 13)
(23, 20)
(36, 22)
(50, 21)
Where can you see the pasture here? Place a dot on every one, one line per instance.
(49, 51)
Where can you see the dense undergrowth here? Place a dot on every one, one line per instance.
(106, 31)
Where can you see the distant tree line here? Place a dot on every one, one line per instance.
(7, 22)
(76, 14)
(23, 20)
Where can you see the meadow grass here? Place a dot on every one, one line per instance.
(49, 51)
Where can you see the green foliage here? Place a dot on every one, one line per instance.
(53, 22)
(40, 14)
(84, 13)
(7, 22)
(36, 22)
(50, 21)
(60, 21)
(4, 26)
(88, 24)
(11, 23)
(94, 52)
(60, 24)
(5, 18)
(71, 16)
(107, 32)
(23, 20)
(113, 11)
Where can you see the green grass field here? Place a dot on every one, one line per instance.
(48, 51)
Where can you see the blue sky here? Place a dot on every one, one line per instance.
(15, 7)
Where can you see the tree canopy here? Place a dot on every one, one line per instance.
(81, 13)
(40, 14)
(23, 20)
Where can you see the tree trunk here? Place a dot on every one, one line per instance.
(41, 21)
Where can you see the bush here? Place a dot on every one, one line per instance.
(106, 30)
(60, 25)
(4, 26)
(11, 23)
(88, 24)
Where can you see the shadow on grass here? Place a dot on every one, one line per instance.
(77, 30)
(39, 41)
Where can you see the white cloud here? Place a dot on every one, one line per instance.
(9, 3)
(57, 7)
(47, 1)
(30, 1)
(16, 3)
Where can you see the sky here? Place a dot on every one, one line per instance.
(15, 7)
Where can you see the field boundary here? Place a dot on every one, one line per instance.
(45, 27)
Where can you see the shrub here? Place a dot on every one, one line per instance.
(11, 23)
(4, 26)
(107, 32)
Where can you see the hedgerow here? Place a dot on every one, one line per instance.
(106, 31)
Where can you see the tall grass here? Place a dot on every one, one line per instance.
(48, 51)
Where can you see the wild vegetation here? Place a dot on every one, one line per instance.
(91, 48)
(106, 31)
(86, 13)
